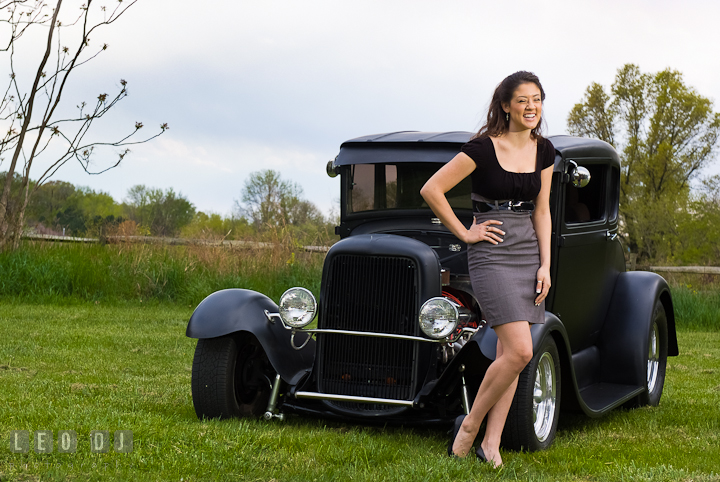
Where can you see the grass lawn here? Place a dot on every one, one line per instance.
(91, 367)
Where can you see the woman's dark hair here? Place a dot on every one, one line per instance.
(496, 125)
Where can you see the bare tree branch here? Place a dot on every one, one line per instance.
(30, 126)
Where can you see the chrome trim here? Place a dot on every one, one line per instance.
(371, 334)
(464, 393)
(391, 335)
(331, 169)
(579, 175)
(350, 398)
(653, 361)
(292, 341)
(270, 317)
(544, 397)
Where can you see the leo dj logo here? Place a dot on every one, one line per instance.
(67, 441)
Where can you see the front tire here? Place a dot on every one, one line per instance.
(230, 377)
(533, 417)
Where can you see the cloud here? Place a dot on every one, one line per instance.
(280, 84)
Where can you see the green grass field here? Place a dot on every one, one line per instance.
(93, 366)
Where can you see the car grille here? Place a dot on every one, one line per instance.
(372, 294)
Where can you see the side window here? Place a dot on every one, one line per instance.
(587, 204)
(614, 193)
(375, 187)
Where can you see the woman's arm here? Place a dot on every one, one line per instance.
(543, 229)
(446, 178)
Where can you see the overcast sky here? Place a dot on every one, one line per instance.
(249, 85)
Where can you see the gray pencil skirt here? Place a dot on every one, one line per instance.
(504, 275)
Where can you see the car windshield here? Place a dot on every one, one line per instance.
(376, 187)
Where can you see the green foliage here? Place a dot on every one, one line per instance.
(60, 207)
(666, 133)
(269, 201)
(165, 213)
(95, 204)
(96, 367)
(49, 199)
(214, 226)
(15, 196)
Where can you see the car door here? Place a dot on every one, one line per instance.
(589, 255)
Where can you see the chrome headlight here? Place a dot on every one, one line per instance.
(438, 317)
(297, 307)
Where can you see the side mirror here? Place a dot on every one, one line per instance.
(579, 175)
(332, 169)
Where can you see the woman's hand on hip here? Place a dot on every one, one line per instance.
(484, 231)
(543, 284)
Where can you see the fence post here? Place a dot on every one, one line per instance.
(633, 261)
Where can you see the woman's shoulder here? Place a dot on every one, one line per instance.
(547, 145)
(546, 152)
(477, 148)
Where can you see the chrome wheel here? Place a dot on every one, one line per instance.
(544, 397)
(533, 416)
(653, 363)
(656, 352)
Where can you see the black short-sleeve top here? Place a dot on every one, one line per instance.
(491, 181)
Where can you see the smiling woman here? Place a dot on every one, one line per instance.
(510, 165)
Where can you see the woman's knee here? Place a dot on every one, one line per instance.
(521, 355)
(526, 354)
(515, 342)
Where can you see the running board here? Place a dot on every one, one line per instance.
(601, 397)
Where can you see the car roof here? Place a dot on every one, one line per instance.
(453, 137)
(440, 147)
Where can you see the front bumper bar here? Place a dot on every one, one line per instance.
(351, 398)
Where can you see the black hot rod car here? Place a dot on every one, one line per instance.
(400, 336)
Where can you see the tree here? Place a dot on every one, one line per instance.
(49, 199)
(305, 212)
(268, 200)
(30, 110)
(665, 133)
(214, 226)
(164, 212)
(84, 212)
(698, 239)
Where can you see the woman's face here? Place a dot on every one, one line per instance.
(525, 108)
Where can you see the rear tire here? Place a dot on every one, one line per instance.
(533, 417)
(230, 377)
(657, 350)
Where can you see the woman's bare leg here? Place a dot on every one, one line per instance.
(496, 420)
(517, 351)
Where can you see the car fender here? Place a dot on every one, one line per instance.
(538, 331)
(480, 351)
(627, 325)
(236, 310)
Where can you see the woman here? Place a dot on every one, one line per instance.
(508, 244)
